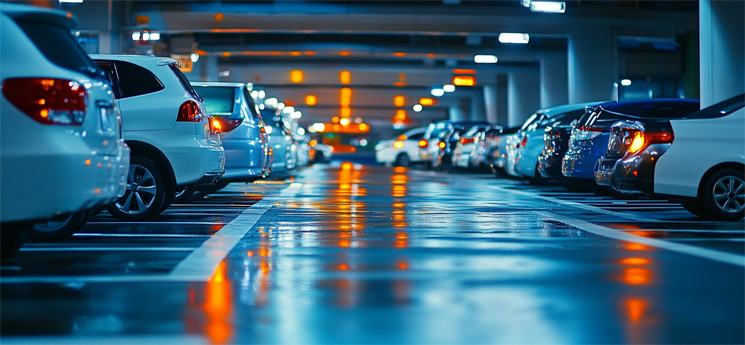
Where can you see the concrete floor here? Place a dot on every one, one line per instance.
(347, 253)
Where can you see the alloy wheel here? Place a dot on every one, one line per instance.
(140, 192)
(729, 194)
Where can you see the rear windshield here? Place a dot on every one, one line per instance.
(58, 46)
(252, 105)
(271, 118)
(184, 81)
(218, 100)
(720, 109)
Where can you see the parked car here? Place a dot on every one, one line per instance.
(500, 145)
(429, 147)
(467, 145)
(320, 152)
(246, 144)
(485, 151)
(444, 156)
(281, 140)
(589, 138)
(62, 150)
(402, 150)
(698, 160)
(166, 127)
(555, 144)
(530, 136)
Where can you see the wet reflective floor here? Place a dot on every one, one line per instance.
(350, 253)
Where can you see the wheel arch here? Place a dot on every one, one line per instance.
(714, 169)
(140, 148)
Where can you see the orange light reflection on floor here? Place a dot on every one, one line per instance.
(399, 170)
(636, 246)
(637, 276)
(218, 306)
(636, 309)
(635, 261)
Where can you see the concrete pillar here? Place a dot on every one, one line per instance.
(592, 64)
(554, 79)
(523, 93)
(478, 106)
(502, 99)
(722, 41)
(490, 102)
(454, 114)
(209, 68)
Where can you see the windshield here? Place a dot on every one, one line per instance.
(218, 99)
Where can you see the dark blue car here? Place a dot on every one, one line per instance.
(589, 139)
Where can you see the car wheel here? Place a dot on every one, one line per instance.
(402, 160)
(184, 193)
(58, 228)
(723, 196)
(145, 192)
(11, 239)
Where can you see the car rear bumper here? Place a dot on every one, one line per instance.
(635, 174)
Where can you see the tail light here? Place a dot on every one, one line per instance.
(524, 142)
(423, 143)
(465, 141)
(398, 144)
(48, 101)
(638, 140)
(224, 125)
(189, 112)
(441, 145)
(313, 143)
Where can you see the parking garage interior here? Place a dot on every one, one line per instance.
(354, 251)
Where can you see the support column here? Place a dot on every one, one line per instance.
(554, 79)
(478, 106)
(209, 68)
(722, 41)
(490, 102)
(454, 114)
(502, 100)
(592, 67)
(523, 93)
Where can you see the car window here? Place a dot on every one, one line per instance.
(562, 119)
(252, 105)
(416, 136)
(529, 121)
(135, 80)
(217, 99)
(108, 70)
(720, 109)
(271, 118)
(184, 81)
(58, 46)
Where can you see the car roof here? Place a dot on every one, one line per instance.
(38, 13)
(217, 83)
(132, 58)
(564, 108)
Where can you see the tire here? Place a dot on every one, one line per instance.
(723, 195)
(402, 160)
(183, 194)
(58, 228)
(694, 207)
(11, 240)
(145, 194)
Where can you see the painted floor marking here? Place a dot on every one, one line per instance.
(200, 265)
(93, 234)
(733, 259)
(107, 249)
(156, 223)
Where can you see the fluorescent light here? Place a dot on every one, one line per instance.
(437, 92)
(223, 74)
(255, 94)
(417, 107)
(448, 88)
(525, 3)
(300, 131)
(548, 6)
(71, 1)
(272, 102)
(135, 36)
(194, 57)
(280, 105)
(485, 59)
(155, 36)
(511, 37)
(625, 82)
(262, 94)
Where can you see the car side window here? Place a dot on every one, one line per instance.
(108, 70)
(135, 80)
(416, 136)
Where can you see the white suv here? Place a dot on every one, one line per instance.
(62, 150)
(167, 129)
(401, 151)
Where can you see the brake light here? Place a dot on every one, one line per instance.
(637, 143)
(441, 144)
(215, 125)
(398, 144)
(189, 112)
(423, 143)
(224, 125)
(640, 140)
(313, 142)
(524, 142)
(48, 101)
(464, 141)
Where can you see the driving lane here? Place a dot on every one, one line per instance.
(349, 253)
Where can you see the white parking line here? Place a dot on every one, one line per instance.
(729, 258)
(109, 339)
(200, 265)
(155, 223)
(92, 234)
(107, 249)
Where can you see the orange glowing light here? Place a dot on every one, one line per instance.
(401, 235)
(399, 170)
(400, 114)
(345, 243)
(345, 97)
(69, 14)
(636, 246)
(311, 100)
(399, 101)
(399, 84)
(251, 253)
(464, 71)
(97, 191)
(313, 142)
(87, 162)
(218, 306)
(426, 101)
(345, 112)
(464, 80)
(398, 144)
(345, 53)
(636, 276)
(636, 308)
(347, 166)
(345, 77)
(399, 204)
(402, 266)
(42, 101)
(343, 267)
(335, 119)
(44, 113)
(441, 144)
(399, 54)
(310, 53)
(297, 76)
(635, 261)
(263, 252)
(296, 53)
(226, 54)
(219, 17)
(363, 127)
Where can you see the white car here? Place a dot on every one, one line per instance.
(167, 129)
(705, 162)
(280, 138)
(401, 151)
(466, 145)
(62, 151)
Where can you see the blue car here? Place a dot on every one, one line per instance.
(589, 139)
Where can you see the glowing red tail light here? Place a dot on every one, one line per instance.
(224, 125)
(189, 112)
(441, 145)
(524, 142)
(48, 101)
(423, 143)
(465, 141)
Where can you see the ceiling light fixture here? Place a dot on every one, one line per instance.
(485, 59)
(548, 6)
(513, 37)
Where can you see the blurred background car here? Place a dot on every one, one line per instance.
(485, 151)
(403, 150)
(62, 149)
(698, 160)
(530, 136)
(589, 138)
(320, 152)
(280, 139)
(467, 144)
(443, 158)
(555, 144)
(245, 143)
(500, 143)
(166, 127)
